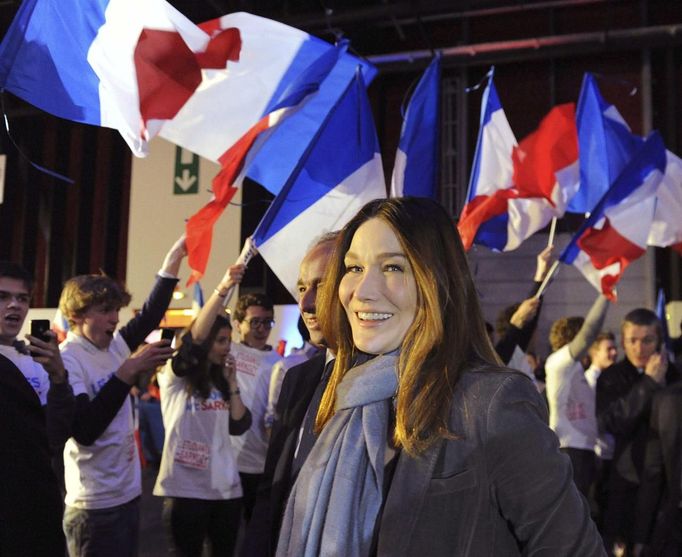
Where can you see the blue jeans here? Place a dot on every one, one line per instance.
(111, 532)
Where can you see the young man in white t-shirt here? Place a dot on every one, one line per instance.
(101, 463)
(254, 316)
(571, 399)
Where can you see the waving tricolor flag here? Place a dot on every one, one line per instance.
(516, 190)
(327, 188)
(666, 229)
(415, 171)
(199, 228)
(615, 234)
(122, 64)
(491, 172)
(606, 145)
(145, 69)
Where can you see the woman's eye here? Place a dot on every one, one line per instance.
(353, 268)
(393, 268)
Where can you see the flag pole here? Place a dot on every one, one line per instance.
(249, 251)
(547, 279)
(552, 231)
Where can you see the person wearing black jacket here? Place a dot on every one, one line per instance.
(299, 399)
(624, 394)
(36, 408)
(658, 527)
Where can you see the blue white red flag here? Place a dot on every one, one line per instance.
(492, 171)
(122, 64)
(278, 67)
(415, 171)
(271, 149)
(615, 233)
(666, 229)
(516, 190)
(327, 188)
(606, 145)
(145, 69)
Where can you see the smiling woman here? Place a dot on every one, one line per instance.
(427, 446)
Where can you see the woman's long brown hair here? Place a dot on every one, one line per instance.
(448, 332)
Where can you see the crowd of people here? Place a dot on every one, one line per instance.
(406, 425)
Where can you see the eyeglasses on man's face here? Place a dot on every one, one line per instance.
(256, 322)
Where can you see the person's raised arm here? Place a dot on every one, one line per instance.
(156, 304)
(216, 303)
(171, 263)
(587, 334)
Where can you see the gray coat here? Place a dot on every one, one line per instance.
(502, 489)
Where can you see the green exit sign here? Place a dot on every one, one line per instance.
(186, 180)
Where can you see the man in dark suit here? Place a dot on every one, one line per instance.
(292, 437)
(624, 394)
(658, 526)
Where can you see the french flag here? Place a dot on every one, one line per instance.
(268, 154)
(615, 233)
(415, 171)
(327, 188)
(273, 72)
(138, 66)
(606, 145)
(122, 64)
(515, 190)
(666, 228)
(492, 171)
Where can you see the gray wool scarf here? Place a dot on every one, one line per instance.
(334, 504)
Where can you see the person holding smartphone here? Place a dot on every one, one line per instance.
(101, 463)
(624, 394)
(36, 407)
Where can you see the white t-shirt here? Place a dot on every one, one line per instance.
(198, 460)
(572, 401)
(34, 373)
(254, 368)
(107, 473)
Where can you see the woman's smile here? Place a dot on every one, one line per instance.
(378, 289)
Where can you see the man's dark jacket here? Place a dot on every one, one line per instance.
(660, 494)
(297, 391)
(30, 501)
(624, 398)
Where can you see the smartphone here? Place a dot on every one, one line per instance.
(39, 328)
(168, 334)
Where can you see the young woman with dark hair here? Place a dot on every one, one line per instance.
(201, 406)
